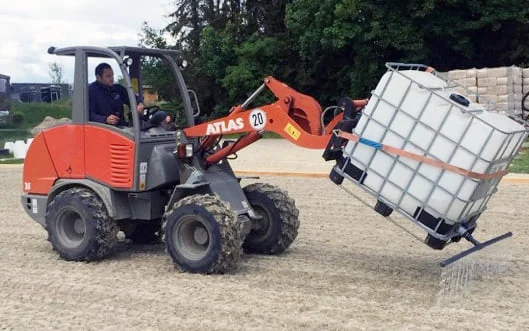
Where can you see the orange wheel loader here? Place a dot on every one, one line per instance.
(84, 182)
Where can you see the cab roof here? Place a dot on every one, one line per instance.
(111, 51)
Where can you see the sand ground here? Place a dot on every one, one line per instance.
(349, 269)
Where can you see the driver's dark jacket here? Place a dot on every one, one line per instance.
(105, 101)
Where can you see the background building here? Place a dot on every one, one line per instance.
(4, 92)
(38, 92)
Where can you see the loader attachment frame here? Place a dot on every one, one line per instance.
(477, 246)
(294, 116)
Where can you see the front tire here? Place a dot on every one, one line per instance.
(79, 227)
(279, 224)
(202, 235)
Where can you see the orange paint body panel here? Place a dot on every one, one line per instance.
(39, 173)
(66, 146)
(304, 109)
(333, 123)
(285, 126)
(294, 116)
(277, 120)
(109, 157)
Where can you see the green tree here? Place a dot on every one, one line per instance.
(155, 73)
(256, 58)
(343, 44)
(232, 46)
(56, 72)
(332, 48)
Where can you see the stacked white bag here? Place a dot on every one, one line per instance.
(503, 86)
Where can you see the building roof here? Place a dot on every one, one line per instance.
(4, 76)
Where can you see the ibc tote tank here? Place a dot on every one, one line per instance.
(421, 113)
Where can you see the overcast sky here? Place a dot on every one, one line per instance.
(29, 27)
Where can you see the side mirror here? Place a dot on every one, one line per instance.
(196, 111)
(127, 61)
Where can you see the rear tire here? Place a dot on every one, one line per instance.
(79, 227)
(202, 235)
(280, 223)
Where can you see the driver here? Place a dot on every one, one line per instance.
(106, 101)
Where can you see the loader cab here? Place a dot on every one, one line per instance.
(126, 157)
(127, 64)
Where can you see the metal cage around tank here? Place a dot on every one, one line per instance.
(426, 215)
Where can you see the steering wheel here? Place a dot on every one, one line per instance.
(152, 117)
(149, 111)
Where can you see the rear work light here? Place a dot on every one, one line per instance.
(184, 151)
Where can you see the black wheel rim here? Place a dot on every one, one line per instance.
(70, 228)
(192, 238)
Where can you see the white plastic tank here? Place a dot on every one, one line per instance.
(10, 146)
(412, 110)
(20, 149)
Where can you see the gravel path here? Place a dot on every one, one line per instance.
(347, 270)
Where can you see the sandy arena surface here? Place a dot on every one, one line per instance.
(349, 269)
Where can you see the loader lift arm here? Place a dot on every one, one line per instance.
(294, 116)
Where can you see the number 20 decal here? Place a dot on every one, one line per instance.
(257, 119)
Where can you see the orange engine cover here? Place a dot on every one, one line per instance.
(66, 146)
(78, 151)
(109, 157)
(39, 172)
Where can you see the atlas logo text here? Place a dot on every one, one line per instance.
(223, 127)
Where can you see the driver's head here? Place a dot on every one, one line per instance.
(104, 74)
(140, 107)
